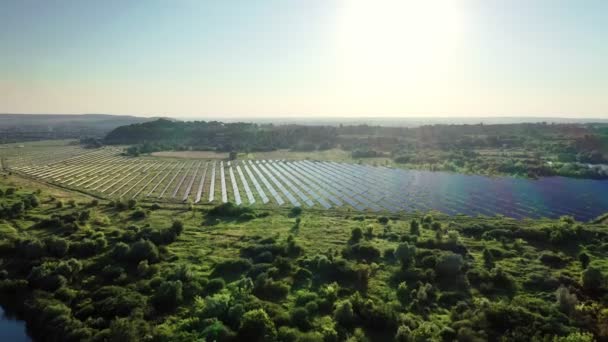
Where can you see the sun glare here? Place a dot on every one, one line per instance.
(396, 43)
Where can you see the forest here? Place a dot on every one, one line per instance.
(527, 149)
(76, 268)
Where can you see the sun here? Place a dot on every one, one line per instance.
(396, 43)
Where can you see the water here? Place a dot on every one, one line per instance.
(11, 329)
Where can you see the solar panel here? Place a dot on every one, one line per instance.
(235, 188)
(212, 185)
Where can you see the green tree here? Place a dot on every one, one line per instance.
(257, 326)
(355, 235)
(592, 278)
(168, 295)
(584, 259)
(488, 259)
(344, 314)
(414, 227)
(405, 254)
(403, 294)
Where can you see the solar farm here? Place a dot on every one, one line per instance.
(106, 173)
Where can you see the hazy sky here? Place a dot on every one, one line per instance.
(305, 57)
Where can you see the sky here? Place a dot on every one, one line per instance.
(305, 58)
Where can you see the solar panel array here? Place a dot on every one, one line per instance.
(322, 185)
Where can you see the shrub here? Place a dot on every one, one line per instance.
(57, 246)
(120, 251)
(405, 254)
(214, 285)
(299, 318)
(584, 259)
(34, 249)
(269, 289)
(344, 314)
(403, 294)
(139, 214)
(449, 265)
(143, 268)
(553, 259)
(232, 268)
(177, 227)
(257, 326)
(229, 210)
(143, 250)
(566, 301)
(488, 259)
(383, 220)
(131, 203)
(295, 211)
(592, 279)
(414, 227)
(362, 251)
(355, 235)
(168, 295)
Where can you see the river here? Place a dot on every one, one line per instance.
(11, 329)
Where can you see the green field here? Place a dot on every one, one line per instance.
(76, 268)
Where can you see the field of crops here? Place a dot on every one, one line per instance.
(106, 173)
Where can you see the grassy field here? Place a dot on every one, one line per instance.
(76, 268)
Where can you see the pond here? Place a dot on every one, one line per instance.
(11, 329)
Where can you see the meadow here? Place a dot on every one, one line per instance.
(78, 268)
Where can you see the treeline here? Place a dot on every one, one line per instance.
(201, 135)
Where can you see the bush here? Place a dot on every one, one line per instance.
(229, 210)
(344, 314)
(214, 285)
(57, 246)
(231, 269)
(120, 251)
(257, 326)
(449, 265)
(299, 318)
(592, 279)
(362, 251)
(268, 289)
(584, 259)
(143, 250)
(403, 294)
(566, 301)
(295, 211)
(405, 254)
(414, 227)
(355, 235)
(139, 214)
(34, 249)
(168, 296)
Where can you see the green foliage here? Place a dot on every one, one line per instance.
(214, 285)
(405, 254)
(344, 314)
(592, 279)
(295, 211)
(414, 227)
(488, 259)
(143, 250)
(257, 326)
(362, 251)
(57, 246)
(584, 259)
(355, 235)
(168, 295)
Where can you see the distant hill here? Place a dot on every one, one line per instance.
(24, 127)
